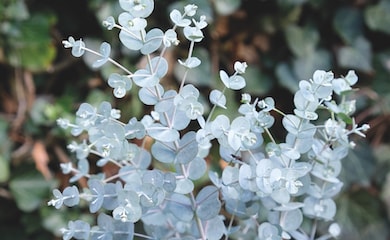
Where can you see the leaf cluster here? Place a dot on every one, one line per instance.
(288, 181)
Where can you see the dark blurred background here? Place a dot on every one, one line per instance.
(283, 41)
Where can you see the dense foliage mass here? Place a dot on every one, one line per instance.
(284, 181)
(210, 155)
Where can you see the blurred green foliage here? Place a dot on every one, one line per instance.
(283, 41)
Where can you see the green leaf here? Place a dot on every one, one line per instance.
(291, 2)
(381, 83)
(357, 56)
(32, 47)
(301, 41)
(257, 83)
(208, 203)
(348, 23)
(5, 151)
(30, 189)
(305, 66)
(16, 10)
(4, 169)
(226, 7)
(358, 166)
(286, 77)
(361, 216)
(215, 228)
(377, 17)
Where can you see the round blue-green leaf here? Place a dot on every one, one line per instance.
(291, 123)
(208, 203)
(96, 189)
(160, 66)
(220, 125)
(237, 82)
(81, 229)
(169, 183)
(324, 209)
(149, 96)
(153, 40)
(230, 175)
(110, 199)
(184, 186)
(123, 230)
(215, 228)
(246, 178)
(143, 78)
(188, 148)
(178, 20)
(140, 8)
(217, 98)
(71, 196)
(180, 206)
(130, 41)
(78, 48)
(105, 50)
(196, 168)
(162, 133)
(163, 152)
(191, 62)
(106, 224)
(268, 231)
(291, 220)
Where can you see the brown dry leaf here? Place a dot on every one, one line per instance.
(261, 42)
(247, 53)
(221, 28)
(41, 159)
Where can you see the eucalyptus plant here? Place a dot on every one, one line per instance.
(268, 189)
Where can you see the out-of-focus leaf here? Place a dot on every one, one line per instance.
(226, 7)
(291, 2)
(4, 169)
(32, 46)
(286, 77)
(5, 149)
(377, 17)
(301, 41)
(204, 8)
(257, 82)
(358, 166)
(348, 23)
(41, 159)
(16, 10)
(30, 188)
(357, 56)
(382, 166)
(381, 64)
(305, 66)
(200, 76)
(361, 217)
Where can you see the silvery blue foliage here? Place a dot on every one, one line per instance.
(267, 188)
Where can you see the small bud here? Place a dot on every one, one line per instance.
(365, 127)
(190, 10)
(63, 123)
(334, 230)
(109, 23)
(240, 67)
(245, 98)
